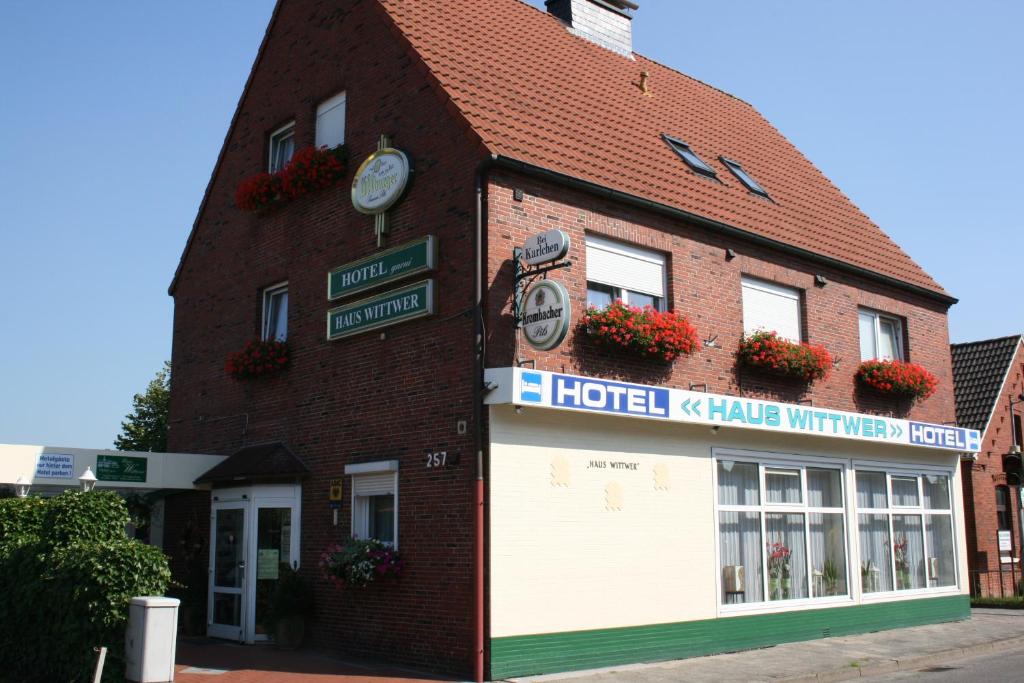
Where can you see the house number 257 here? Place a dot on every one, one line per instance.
(437, 459)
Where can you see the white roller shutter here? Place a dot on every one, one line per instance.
(620, 265)
(768, 306)
(330, 122)
(374, 484)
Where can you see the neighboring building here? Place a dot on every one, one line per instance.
(567, 507)
(988, 377)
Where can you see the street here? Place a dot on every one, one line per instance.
(994, 666)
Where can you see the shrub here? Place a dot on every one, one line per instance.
(359, 562)
(645, 332)
(769, 352)
(898, 379)
(67, 574)
(257, 358)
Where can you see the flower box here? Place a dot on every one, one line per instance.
(644, 332)
(897, 379)
(769, 352)
(258, 358)
(310, 169)
(359, 562)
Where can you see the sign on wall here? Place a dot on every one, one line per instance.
(393, 264)
(544, 247)
(1005, 542)
(383, 310)
(547, 315)
(120, 468)
(55, 466)
(381, 181)
(587, 394)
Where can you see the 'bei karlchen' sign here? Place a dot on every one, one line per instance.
(544, 247)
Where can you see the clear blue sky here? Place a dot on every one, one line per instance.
(112, 114)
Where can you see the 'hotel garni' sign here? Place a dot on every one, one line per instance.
(383, 310)
(412, 258)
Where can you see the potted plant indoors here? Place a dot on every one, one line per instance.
(290, 605)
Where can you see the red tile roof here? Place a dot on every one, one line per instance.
(534, 92)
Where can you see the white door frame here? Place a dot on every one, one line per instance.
(250, 499)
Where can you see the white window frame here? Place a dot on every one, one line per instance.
(325, 108)
(906, 471)
(782, 291)
(279, 136)
(877, 318)
(766, 460)
(361, 501)
(621, 288)
(268, 297)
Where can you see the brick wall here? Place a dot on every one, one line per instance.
(980, 481)
(705, 286)
(391, 395)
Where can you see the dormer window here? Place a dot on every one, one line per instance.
(744, 177)
(282, 146)
(689, 156)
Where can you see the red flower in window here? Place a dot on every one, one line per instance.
(769, 352)
(897, 378)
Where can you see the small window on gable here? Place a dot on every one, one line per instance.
(282, 146)
(330, 122)
(744, 177)
(275, 313)
(619, 271)
(375, 500)
(771, 307)
(881, 336)
(689, 156)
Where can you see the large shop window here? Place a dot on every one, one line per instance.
(781, 532)
(771, 307)
(906, 531)
(275, 313)
(330, 122)
(881, 336)
(620, 271)
(375, 500)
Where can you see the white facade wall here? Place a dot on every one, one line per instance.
(575, 547)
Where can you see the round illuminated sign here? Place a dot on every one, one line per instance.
(380, 181)
(546, 315)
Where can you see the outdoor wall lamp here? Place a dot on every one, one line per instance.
(21, 487)
(87, 480)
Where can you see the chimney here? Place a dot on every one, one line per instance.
(605, 22)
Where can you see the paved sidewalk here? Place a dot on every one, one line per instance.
(830, 659)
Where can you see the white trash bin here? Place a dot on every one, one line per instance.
(150, 640)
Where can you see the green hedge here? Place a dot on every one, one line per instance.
(67, 574)
(1005, 603)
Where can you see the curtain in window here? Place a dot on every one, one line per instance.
(828, 554)
(740, 541)
(824, 488)
(875, 567)
(936, 492)
(871, 490)
(277, 317)
(888, 347)
(738, 483)
(942, 570)
(867, 337)
(787, 556)
(904, 491)
(782, 486)
(908, 546)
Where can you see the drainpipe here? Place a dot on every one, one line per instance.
(479, 518)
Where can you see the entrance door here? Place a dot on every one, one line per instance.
(255, 539)
(226, 607)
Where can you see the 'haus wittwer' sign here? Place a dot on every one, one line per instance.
(408, 303)
(383, 267)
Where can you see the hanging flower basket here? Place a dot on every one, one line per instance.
(644, 332)
(897, 379)
(359, 562)
(769, 352)
(310, 169)
(258, 358)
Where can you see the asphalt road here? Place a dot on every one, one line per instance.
(997, 667)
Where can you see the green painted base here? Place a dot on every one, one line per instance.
(551, 652)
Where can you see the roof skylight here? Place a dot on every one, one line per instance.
(744, 177)
(689, 156)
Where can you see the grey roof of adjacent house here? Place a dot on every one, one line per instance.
(979, 369)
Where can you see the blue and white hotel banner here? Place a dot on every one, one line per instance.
(525, 387)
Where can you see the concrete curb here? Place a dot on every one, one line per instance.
(887, 666)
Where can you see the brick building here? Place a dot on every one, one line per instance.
(557, 504)
(989, 384)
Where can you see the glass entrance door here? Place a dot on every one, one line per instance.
(227, 570)
(273, 559)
